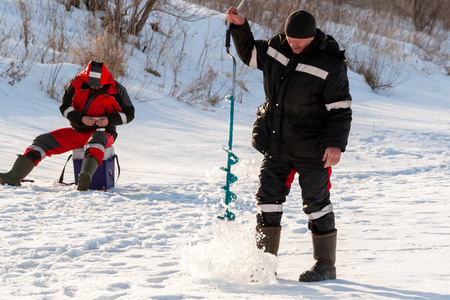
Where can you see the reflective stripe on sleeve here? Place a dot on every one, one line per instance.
(253, 62)
(67, 111)
(338, 105)
(319, 214)
(123, 117)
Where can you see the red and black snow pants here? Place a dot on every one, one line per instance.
(275, 181)
(67, 139)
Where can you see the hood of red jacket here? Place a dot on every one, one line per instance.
(105, 77)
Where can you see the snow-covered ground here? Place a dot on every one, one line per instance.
(156, 234)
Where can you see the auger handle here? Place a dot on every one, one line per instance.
(228, 38)
(228, 34)
(240, 5)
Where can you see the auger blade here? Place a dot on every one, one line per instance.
(231, 156)
(228, 215)
(229, 196)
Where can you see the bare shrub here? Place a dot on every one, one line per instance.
(139, 16)
(94, 5)
(380, 71)
(106, 48)
(75, 3)
(26, 28)
(5, 36)
(424, 14)
(166, 46)
(377, 73)
(17, 71)
(121, 17)
(177, 63)
(200, 90)
(19, 67)
(52, 87)
(53, 21)
(150, 69)
(447, 69)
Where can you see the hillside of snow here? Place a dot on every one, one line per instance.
(156, 234)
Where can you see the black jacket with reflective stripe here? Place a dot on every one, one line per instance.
(308, 104)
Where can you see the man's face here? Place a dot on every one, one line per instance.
(96, 88)
(298, 45)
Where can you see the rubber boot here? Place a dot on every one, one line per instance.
(324, 249)
(88, 168)
(20, 169)
(268, 238)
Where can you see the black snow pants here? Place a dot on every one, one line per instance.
(275, 181)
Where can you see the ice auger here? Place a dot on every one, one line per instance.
(232, 158)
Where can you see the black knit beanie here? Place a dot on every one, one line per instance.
(300, 25)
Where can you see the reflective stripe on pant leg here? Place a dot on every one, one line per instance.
(326, 209)
(315, 183)
(271, 207)
(319, 214)
(97, 151)
(322, 225)
(269, 214)
(35, 148)
(97, 144)
(36, 154)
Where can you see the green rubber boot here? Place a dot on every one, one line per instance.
(88, 168)
(324, 249)
(20, 169)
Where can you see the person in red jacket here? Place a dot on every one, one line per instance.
(302, 127)
(94, 103)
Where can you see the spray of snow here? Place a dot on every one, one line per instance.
(230, 254)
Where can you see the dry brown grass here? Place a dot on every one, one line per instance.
(200, 90)
(106, 48)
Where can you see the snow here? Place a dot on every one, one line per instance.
(156, 234)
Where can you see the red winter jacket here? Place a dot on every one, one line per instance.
(111, 101)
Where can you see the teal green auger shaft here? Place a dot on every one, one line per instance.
(232, 158)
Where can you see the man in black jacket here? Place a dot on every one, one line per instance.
(302, 127)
